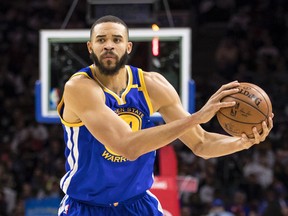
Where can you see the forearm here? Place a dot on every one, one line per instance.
(143, 141)
(215, 145)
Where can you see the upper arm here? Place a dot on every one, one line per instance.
(85, 99)
(164, 97)
(162, 94)
(166, 101)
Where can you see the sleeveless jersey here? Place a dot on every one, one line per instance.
(94, 174)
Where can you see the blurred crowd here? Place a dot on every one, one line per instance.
(253, 182)
(253, 49)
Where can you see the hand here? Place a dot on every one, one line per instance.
(258, 137)
(214, 103)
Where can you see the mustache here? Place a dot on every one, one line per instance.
(110, 53)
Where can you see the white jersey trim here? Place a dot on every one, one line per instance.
(73, 163)
(159, 204)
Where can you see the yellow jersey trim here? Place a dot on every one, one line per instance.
(144, 90)
(61, 104)
(77, 124)
(120, 100)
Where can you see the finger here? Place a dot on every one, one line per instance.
(229, 89)
(219, 95)
(232, 84)
(265, 131)
(227, 104)
(270, 122)
(257, 136)
(225, 90)
(228, 86)
(247, 143)
(265, 128)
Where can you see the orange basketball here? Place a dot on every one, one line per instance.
(253, 106)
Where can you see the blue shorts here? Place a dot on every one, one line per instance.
(145, 204)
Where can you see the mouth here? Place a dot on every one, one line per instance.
(108, 56)
(109, 59)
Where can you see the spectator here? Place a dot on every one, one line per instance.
(3, 204)
(218, 209)
(253, 49)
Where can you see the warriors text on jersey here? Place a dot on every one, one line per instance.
(96, 175)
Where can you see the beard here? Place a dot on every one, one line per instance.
(106, 70)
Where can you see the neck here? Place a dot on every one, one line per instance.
(116, 83)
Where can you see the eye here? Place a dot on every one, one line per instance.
(101, 40)
(117, 40)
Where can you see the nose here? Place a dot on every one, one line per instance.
(109, 46)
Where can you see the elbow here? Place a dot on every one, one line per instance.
(199, 151)
(129, 150)
(128, 153)
(131, 154)
(132, 158)
(203, 156)
(122, 155)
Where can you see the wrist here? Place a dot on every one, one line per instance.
(195, 118)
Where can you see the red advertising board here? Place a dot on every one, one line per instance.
(165, 189)
(165, 185)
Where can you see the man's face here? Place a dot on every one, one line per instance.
(109, 47)
(109, 69)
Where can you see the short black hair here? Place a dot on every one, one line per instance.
(108, 18)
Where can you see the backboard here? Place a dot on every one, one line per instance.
(63, 52)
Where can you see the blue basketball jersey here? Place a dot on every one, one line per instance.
(96, 175)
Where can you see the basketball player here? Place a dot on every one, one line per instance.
(110, 141)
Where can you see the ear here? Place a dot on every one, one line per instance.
(89, 47)
(129, 47)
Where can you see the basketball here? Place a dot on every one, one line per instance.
(253, 106)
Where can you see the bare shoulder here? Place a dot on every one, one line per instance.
(80, 93)
(157, 84)
(77, 82)
(161, 92)
(79, 85)
(150, 76)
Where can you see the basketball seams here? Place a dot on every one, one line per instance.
(251, 105)
(231, 131)
(263, 94)
(235, 120)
